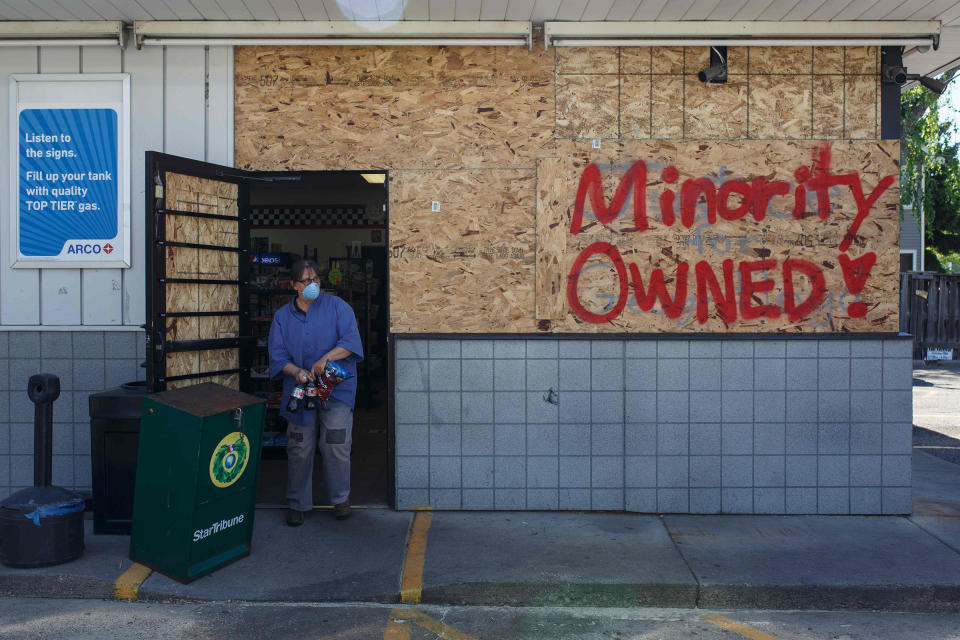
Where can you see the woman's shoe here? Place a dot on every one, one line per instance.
(342, 511)
(294, 518)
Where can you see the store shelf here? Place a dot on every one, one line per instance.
(273, 292)
(358, 288)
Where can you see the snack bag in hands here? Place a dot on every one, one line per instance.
(333, 374)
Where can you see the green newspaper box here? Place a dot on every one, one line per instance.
(197, 467)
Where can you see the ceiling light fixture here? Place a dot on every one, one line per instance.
(742, 33)
(52, 33)
(337, 33)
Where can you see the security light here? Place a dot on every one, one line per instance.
(893, 74)
(717, 71)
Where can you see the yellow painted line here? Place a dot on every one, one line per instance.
(437, 627)
(411, 584)
(397, 627)
(127, 585)
(738, 627)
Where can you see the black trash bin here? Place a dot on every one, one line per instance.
(114, 436)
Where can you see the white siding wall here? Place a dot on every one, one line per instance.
(181, 103)
(910, 237)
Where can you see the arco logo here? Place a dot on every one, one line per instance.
(79, 247)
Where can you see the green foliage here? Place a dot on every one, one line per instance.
(930, 169)
(946, 262)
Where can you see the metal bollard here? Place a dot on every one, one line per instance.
(41, 525)
(43, 389)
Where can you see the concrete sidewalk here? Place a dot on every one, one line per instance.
(579, 559)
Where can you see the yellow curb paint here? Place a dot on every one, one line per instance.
(397, 627)
(437, 627)
(737, 627)
(127, 585)
(412, 582)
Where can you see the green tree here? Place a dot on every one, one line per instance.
(930, 170)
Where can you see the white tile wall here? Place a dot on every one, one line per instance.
(672, 425)
(85, 362)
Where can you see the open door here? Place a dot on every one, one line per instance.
(198, 238)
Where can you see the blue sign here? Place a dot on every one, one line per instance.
(68, 185)
(271, 259)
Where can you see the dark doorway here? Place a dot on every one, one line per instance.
(339, 220)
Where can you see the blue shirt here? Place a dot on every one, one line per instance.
(303, 338)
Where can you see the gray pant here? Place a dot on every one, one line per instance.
(333, 436)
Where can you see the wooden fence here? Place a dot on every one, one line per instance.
(930, 310)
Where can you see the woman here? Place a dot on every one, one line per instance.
(308, 332)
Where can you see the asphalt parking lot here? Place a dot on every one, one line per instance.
(936, 410)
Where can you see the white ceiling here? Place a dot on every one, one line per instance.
(536, 11)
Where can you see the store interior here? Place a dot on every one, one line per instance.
(337, 219)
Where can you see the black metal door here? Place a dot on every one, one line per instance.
(198, 239)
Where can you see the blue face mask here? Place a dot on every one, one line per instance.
(311, 291)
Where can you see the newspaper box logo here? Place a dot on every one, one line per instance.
(108, 248)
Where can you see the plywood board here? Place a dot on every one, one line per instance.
(828, 107)
(588, 106)
(199, 195)
(195, 362)
(580, 60)
(780, 106)
(828, 60)
(668, 60)
(855, 296)
(461, 107)
(635, 99)
(403, 107)
(715, 110)
(667, 118)
(218, 297)
(782, 60)
(470, 127)
(635, 60)
(219, 359)
(181, 298)
(862, 60)
(218, 327)
(469, 266)
(182, 363)
(860, 106)
(551, 242)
